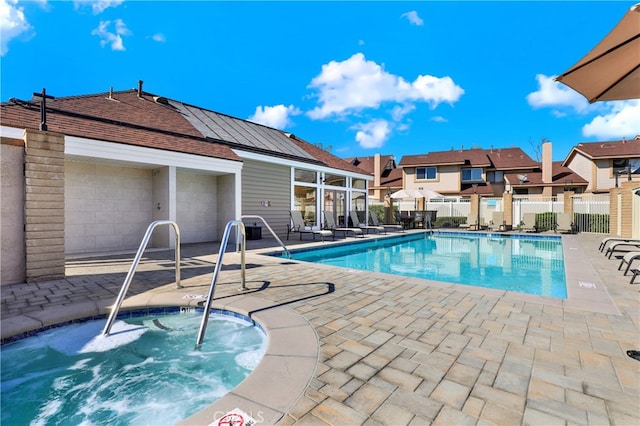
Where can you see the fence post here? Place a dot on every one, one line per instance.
(507, 206)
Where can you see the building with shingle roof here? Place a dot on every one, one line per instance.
(99, 168)
(605, 164)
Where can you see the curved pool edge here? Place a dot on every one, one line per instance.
(272, 388)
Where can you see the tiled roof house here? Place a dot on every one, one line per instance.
(602, 164)
(100, 168)
(387, 177)
(465, 172)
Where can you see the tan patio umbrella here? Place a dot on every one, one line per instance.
(611, 70)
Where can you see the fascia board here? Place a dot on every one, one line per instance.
(298, 164)
(92, 148)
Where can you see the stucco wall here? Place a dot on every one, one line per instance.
(12, 237)
(197, 207)
(582, 166)
(107, 208)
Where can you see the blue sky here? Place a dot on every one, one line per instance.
(363, 77)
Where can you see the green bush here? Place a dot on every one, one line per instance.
(449, 221)
(545, 221)
(592, 222)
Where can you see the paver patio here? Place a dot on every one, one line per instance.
(396, 350)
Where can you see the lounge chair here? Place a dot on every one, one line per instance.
(300, 227)
(607, 240)
(628, 259)
(529, 223)
(330, 224)
(356, 222)
(471, 222)
(622, 246)
(387, 227)
(497, 219)
(564, 223)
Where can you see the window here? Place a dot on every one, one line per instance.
(471, 175)
(428, 173)
(305, 176)
(359, 183)
(335, 180)
(497, 177)
(620, 166)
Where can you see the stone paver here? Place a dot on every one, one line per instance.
(401, 351)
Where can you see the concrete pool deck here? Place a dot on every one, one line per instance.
(350, 347)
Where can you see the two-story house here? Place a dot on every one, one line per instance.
(605, 164)
(465, 172)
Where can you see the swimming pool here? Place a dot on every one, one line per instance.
(526, 264)
(62, 376)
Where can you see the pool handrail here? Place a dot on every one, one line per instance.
(251, 216)
(127, 281)
(223, 244)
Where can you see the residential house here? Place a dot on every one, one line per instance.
(85, 174)
(465, 172)
(605, 164)
(549, 179)
(387, 177)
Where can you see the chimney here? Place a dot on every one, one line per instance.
(377, 170)
(547, 160)
(139, 88)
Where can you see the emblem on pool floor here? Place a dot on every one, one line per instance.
(235, 417)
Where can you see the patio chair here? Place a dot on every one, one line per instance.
(622, 246)
(356, 222)
(375, 222)
(300, 227)
(529, 223)
(628, 259)
(607, 240)
(330, 224)
(497, 219)
(472, 221)
(564, 223)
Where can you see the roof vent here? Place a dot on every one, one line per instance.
(140, 88)
(160, 100)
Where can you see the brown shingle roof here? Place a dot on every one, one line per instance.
(124, 119)
(610, 149)
(561, 176)
(325, 156)
(500, 159)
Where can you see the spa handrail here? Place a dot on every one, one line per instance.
(286, 250)
(134, 265)
(216, 271)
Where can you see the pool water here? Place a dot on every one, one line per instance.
(533, 265)
(61, 376)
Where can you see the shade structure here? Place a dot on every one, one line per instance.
(430, 194)
(611, 70)
(406, 193)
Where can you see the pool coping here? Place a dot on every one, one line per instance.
(268, 392)
(585, 290)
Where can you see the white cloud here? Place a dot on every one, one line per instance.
(550, 93)
(356, 84)
(114, 39)
(97, 6)
(613, 119)
(13, 23)
(622, 120)
(372, 134)
(439, 119)
(274, 116)
(158, 37)
(413, 18)
(399, 111)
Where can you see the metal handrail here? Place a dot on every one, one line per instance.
(134, 265)
(286, 250)
(223, 244)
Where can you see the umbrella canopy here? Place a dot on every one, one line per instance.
(407, 193)
(430, 194)
(611, 70)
